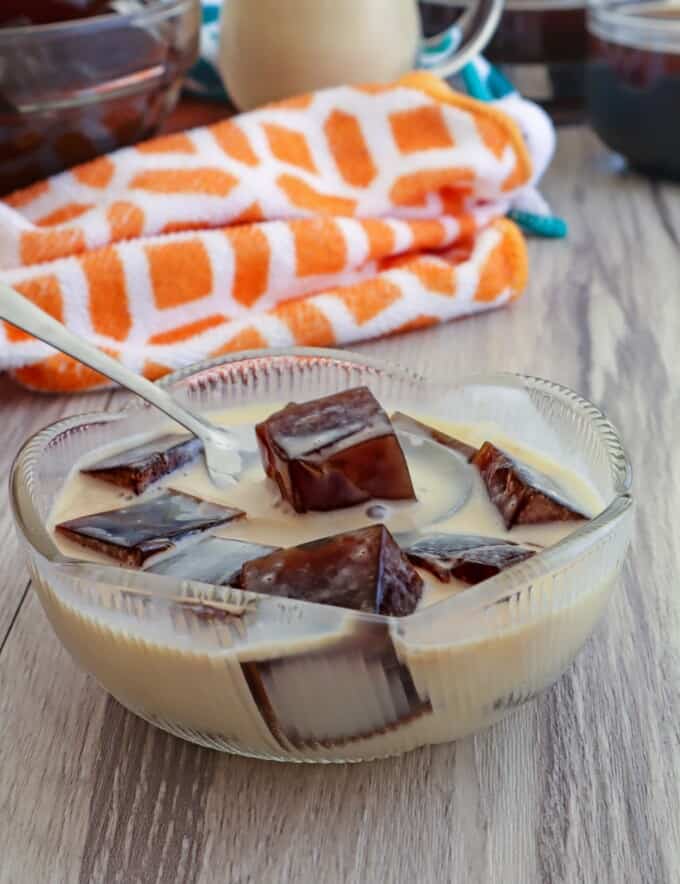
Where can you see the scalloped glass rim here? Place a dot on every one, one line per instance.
(486, 594)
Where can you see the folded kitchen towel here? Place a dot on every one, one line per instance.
(478, 78)
(347, 214)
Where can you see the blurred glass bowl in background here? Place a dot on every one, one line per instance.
(71, 90)
(634, 82)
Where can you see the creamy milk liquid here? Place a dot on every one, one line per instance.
(270, 51)
(432, 688)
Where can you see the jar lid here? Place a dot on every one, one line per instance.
(654, 25)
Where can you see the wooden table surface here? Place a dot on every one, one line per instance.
(582, 785)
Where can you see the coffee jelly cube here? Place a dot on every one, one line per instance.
(356, 686)
(364, 570)
(522, 495)
(408, 424)
(139, 467)
(215, 560)
(134, 533)
(334, 452)
(465, 557)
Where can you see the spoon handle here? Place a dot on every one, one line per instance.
(19, 311)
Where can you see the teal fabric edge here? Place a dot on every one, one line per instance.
(474, 85)
(499, 83)
(546, 226)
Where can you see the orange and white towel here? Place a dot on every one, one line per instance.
(327, 219)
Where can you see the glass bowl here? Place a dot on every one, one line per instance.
(72, 90)
(288, 680)
(633, 82)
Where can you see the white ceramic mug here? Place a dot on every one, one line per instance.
(272, 49)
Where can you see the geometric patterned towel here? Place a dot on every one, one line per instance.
(323, 220)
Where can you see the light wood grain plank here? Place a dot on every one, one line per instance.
(51, 720)
(582, 785)
(668, 205)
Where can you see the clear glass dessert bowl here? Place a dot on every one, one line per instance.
(284, 679)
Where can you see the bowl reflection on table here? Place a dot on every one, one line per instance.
(288, 680)
(72, 90)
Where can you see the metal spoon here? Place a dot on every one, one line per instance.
(221, 447)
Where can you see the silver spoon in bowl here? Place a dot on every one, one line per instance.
(221, 447)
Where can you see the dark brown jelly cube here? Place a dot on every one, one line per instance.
(134, 533)
(522, 495)
(466, 557)
(360, 669)
(334, 452)
(408, 424)
(364, 570)
(139, 467)
(215, 560)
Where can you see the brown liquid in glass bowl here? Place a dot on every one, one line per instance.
(634, 94)
(19, 13)
(68, 94)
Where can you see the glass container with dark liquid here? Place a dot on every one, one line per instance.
(79, 78)
(633, 83)
(45, 12)
(542, 47)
